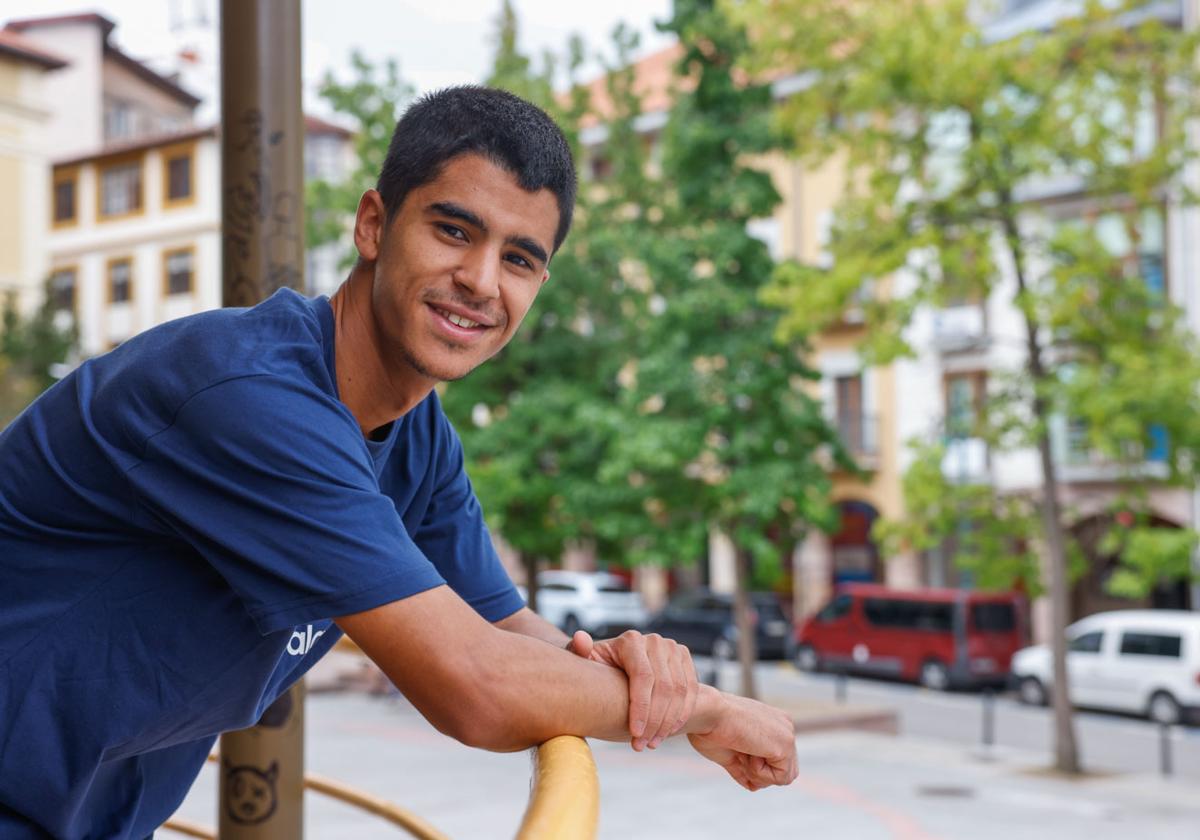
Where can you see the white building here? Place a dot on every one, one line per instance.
(134, 201)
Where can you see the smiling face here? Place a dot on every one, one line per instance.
(457, 267)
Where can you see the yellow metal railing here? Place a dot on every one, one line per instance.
(564, 795)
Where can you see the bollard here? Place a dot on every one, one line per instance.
(1164, 749)
(840, 685)
(989, 718)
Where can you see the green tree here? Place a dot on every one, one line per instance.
(30, 347)
(945, 128)
(373, 100)
(538, 420)
(728, 434)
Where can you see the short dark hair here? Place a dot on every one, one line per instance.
(506, 129)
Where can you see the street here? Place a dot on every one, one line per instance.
(1108, 742)
(928, 784)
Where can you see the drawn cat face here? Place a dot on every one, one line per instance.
(250, 792)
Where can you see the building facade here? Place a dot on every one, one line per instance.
(961, 352)
(130, 189)
(25, 72)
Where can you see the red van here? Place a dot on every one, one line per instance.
(941, 638)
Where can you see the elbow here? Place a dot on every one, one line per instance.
(487, 717)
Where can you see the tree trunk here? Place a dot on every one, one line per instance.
(531, 565)
(1066, 751)
(744, 620)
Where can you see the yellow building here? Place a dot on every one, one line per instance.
(24, 165)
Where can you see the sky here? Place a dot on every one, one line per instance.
(436, 42)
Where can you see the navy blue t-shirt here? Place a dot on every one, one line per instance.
(180, 520)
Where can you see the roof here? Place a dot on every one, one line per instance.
(14, 45)
(111, 51)
(316, 125)
(22, 24)
(652, 77)
(1161, 618)
(138, 144)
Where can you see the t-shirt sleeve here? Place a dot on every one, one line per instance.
(270, 481)
(454, 536)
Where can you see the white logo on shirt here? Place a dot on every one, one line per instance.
(302, 641)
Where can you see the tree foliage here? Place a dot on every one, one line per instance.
(949, 125)
(30, 347)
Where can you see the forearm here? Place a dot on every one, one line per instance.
(487, 687)
(528, 623)
(553, 692)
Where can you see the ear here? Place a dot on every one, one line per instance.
(370, 223)
(545, 276)
(272, 772)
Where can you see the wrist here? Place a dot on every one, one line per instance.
(711, 706)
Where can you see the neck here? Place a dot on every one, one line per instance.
(377, 386)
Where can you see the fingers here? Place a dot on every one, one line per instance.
(581, 644)
(691, 688)
(638, 667)
(671, 693)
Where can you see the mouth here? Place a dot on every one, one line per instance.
(456, 325)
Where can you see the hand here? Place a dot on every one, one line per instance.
(755, 743)
(662, 681)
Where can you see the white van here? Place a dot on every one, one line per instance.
(1141, 661)
(597, 602)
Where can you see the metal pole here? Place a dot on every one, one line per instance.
(262, 223)
(1165, 765)
(989, 718)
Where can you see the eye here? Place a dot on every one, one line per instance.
(453, 231)
(518, 260)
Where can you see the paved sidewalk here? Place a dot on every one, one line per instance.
(854, 785)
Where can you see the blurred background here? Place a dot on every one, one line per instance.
(874, 340)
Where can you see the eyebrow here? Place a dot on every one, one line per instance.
(455, 211)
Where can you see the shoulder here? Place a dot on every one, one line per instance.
(276, 347)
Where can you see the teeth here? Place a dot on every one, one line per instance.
(458, 320)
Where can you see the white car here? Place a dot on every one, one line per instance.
(597, 602)
(1140, 661)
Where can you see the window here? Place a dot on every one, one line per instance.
(835, 609)
(909, 615)
(1087, 643)
(121, 189)
(614, 587)
(120, 280)
(964, 403)
(557, 587)
(118, 120)
(62, 289)
(179, 270)
(65, 196)
(850, 412)
(177, 176)
(994, 618)
(1150, 644)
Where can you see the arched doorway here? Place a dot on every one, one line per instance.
(855, 555)
(1090, 594)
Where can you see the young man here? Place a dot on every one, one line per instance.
(176, 513)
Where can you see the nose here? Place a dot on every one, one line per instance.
(479, 274)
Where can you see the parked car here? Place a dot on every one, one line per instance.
(942, 638)
(1145, 662)
(703, 621)
(598, 602)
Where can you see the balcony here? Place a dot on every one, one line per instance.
(959, 329)
(966, 461)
